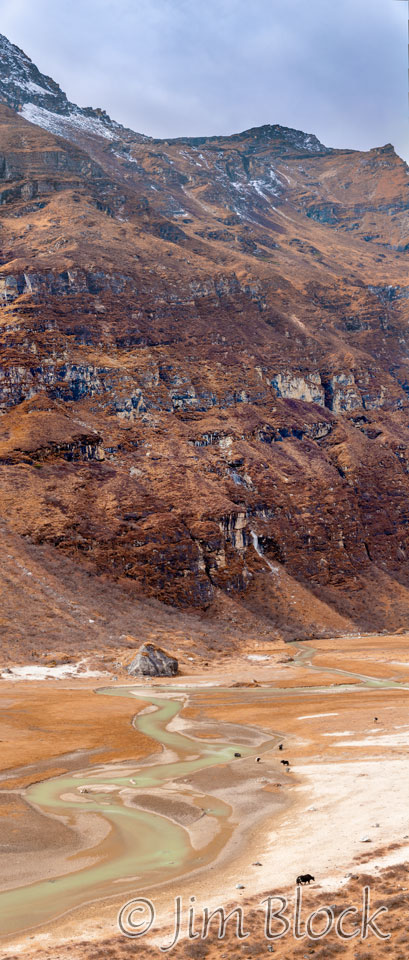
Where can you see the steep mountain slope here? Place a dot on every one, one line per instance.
(204, 364)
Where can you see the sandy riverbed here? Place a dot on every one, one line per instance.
(348, 783)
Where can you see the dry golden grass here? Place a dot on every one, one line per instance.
(46, 720)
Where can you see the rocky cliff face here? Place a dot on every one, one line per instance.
(204, 362)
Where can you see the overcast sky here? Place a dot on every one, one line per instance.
(189, 67)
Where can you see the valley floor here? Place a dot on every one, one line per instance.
(239, 828)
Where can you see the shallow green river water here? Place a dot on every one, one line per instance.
(145, 846)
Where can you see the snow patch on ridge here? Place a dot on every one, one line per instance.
(32, 87)
(61, 125)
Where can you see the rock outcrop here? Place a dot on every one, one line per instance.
(307, 388)
(152, 661)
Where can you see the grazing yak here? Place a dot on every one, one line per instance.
(285, 763)
(304, 878)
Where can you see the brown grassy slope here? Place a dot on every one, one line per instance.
(144, 430)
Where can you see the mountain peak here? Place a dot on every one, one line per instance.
(21, 81)
(288, 137)
(279, 140)
(39, 99)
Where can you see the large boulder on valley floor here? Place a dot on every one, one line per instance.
(152, 661)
